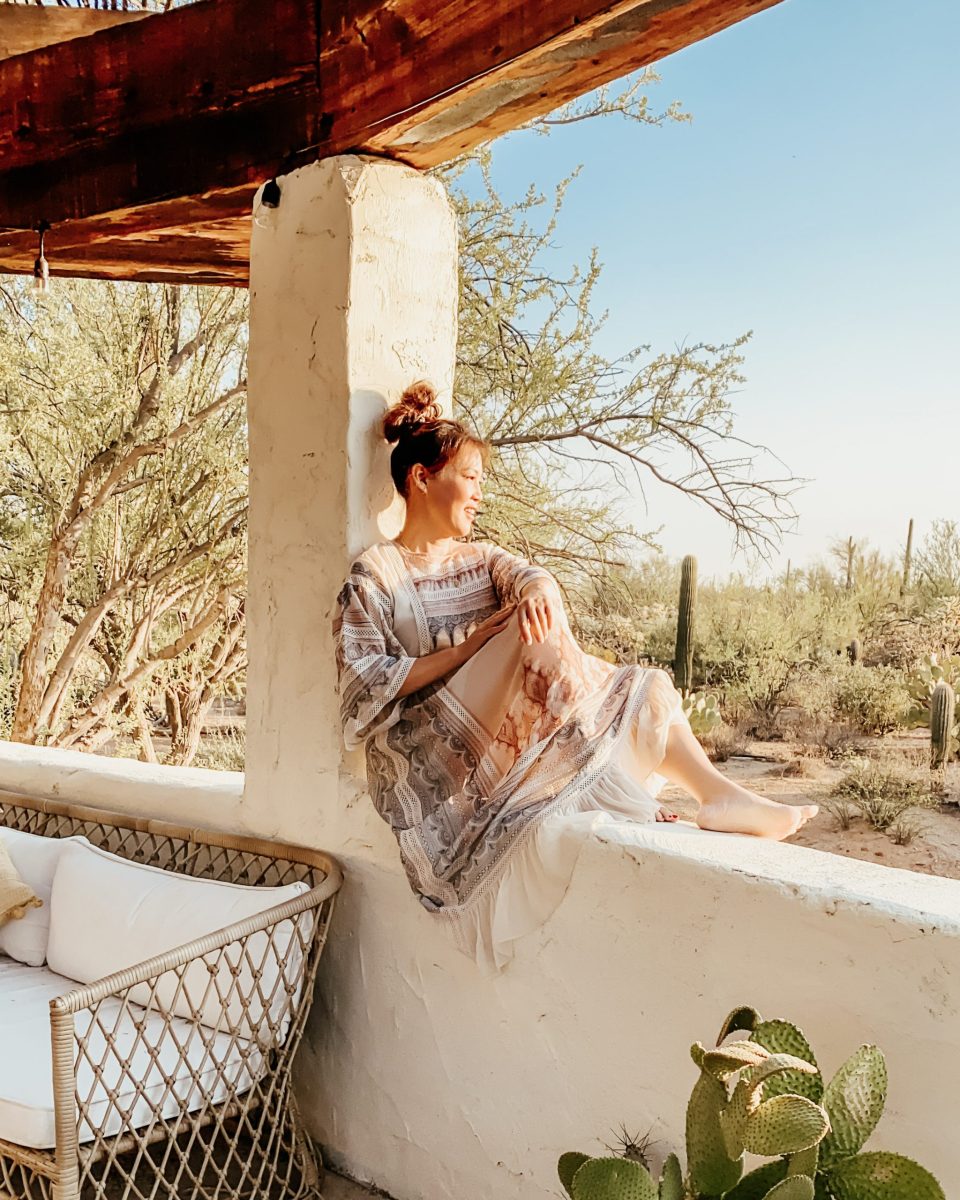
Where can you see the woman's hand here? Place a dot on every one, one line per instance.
(536, 612)
(488, 629)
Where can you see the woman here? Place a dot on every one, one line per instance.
(492, 740)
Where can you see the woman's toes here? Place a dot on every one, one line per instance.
(664, 814)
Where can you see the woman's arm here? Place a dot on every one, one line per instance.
(430, 667)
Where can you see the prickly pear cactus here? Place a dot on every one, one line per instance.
(780, 1037)
(567, 1167)
(942, 725)
(613, 1179)
(739, 1103)
(671, 1180)
(712, 1170)
(794, 1187)
(882, 1176)
(703, 711)
(683, 658)
(854, 1099)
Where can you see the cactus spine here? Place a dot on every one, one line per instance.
(908, 553)
(683, 659)
(942, 708)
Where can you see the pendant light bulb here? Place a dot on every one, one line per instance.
(41, 268)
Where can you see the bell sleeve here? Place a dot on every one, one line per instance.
(512, 575)
(371, 663)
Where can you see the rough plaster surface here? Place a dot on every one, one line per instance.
(187, 795)
(353, 296)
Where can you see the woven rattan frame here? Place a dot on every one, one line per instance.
(247, 1142)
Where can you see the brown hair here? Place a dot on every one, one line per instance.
(423, 436)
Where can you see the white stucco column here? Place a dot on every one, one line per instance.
(353, 296)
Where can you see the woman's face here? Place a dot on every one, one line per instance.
(453, 496)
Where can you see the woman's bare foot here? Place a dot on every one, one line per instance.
(736, 810)
(664, 814)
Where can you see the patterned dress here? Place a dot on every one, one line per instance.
(490, 777)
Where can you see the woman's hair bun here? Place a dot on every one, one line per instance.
(417, 406)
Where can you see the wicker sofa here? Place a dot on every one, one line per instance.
(169, 1077)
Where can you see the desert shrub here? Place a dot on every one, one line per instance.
(843, 810)
(907, 640)
(906, 827)
(873, 700)
(724, 742)
(221, 750)
(613, 636)
(882, 791)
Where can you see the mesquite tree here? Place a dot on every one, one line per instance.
(123, 471)
(569, 425)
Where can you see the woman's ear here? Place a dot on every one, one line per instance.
(418, 476)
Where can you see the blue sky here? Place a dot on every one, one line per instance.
(814, 200)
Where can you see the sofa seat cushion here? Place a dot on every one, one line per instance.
(176, 1066)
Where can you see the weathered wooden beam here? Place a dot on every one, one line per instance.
(425, 83)
(160, 127)
(24, 28)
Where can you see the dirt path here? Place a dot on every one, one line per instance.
(934, 851)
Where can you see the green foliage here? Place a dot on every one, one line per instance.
(882, 790)
(874, 700)
(123, 484)
(743, 1101)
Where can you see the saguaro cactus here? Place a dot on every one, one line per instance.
(907, 555)
(854, 651)
(683, 659)
(942, 709)
(850, 548)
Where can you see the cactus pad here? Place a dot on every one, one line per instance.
(794, 1187)
(758, 1183)
(781, 1037)
(671, 1181)
(567, 1167)
(613, 1179)
(881, 1176)
(743, 1019)
(784, 1125)
(854, 1101)
(712, 1170)
(726, 1060)
(805, 1162)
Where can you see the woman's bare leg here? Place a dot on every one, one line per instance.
(725, 805)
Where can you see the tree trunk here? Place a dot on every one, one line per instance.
(33, 668)
(192, 707)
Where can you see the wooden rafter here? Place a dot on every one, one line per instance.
(142, 144)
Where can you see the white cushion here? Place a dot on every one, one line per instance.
(164, 1071)
(107, 913)
(35, 859)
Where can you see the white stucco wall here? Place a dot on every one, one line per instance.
(434, 1083)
